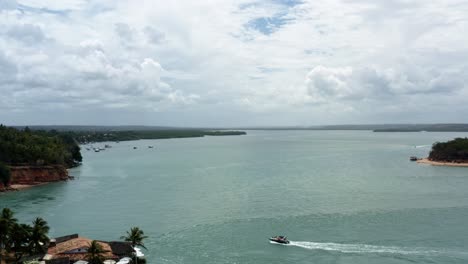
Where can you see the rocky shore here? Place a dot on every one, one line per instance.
(442, 163)
(23, 177)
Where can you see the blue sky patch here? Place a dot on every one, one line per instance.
(288, 2)
(268, 25)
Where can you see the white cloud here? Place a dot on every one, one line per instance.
(357, 84)
(242, 56)
(30, 34)
(54, 5)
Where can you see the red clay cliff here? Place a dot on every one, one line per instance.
(34, 175)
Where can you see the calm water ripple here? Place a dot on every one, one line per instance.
(340, 196)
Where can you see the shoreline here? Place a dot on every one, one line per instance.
(441, 163)
(26, 177)
(20, 187)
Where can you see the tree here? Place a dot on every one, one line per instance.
(38, 238)
(21, 234)
(29, 146)
(453, 151)
(95, 252)
(135, 236)
(5, 174)
(7, 222)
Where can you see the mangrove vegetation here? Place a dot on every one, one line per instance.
(452, 151)
(84, 137)
(33, 147)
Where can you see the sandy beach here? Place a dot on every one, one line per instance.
(19, 187)
(438, 163)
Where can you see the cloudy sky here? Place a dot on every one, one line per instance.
(233, 63)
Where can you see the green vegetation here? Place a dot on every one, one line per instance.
(452, 151)
(5, 174)
(27, 147)
(100, 136)
(17, 239)
(424, 127)
(38, 236)
(95, 252)
(136, 237)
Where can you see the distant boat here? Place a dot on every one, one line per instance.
(413, 158)
(96, 150)
(134, 147)
(150, 146)
(107, 146)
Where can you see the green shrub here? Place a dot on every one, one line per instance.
(5, 174)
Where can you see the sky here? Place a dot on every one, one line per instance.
(233, 63)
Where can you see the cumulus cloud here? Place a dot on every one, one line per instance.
(8, 70)
(348, 83)
(8, 4)
(153, 35)
(125, 32)
(30, 34)
(186, 60)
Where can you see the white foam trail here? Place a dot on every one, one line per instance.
(422, 146)
(360, 248)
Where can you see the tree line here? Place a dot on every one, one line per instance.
(454, 150)
(84, 137)
(20, 147)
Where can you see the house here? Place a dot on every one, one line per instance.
(72, 248)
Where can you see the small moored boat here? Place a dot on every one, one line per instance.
(280, 239)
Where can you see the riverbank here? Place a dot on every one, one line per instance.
(24, 177)
(441, 163)
(20, 187)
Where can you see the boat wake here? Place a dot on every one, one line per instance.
(422, 146)
(363, 248)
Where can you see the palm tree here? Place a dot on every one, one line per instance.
(21, 235)
(38, 236)
(7, 222)
(135, 236)
(95, 252)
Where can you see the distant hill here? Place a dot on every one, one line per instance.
(85, 137)
(97, 128)
(377, 127)
(426, 127)
(374, 127)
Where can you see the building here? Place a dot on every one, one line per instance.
(72, 248)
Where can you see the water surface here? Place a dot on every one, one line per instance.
(340, 196)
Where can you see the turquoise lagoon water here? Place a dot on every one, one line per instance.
(340, 196)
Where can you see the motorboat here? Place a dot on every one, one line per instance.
(280, 239)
